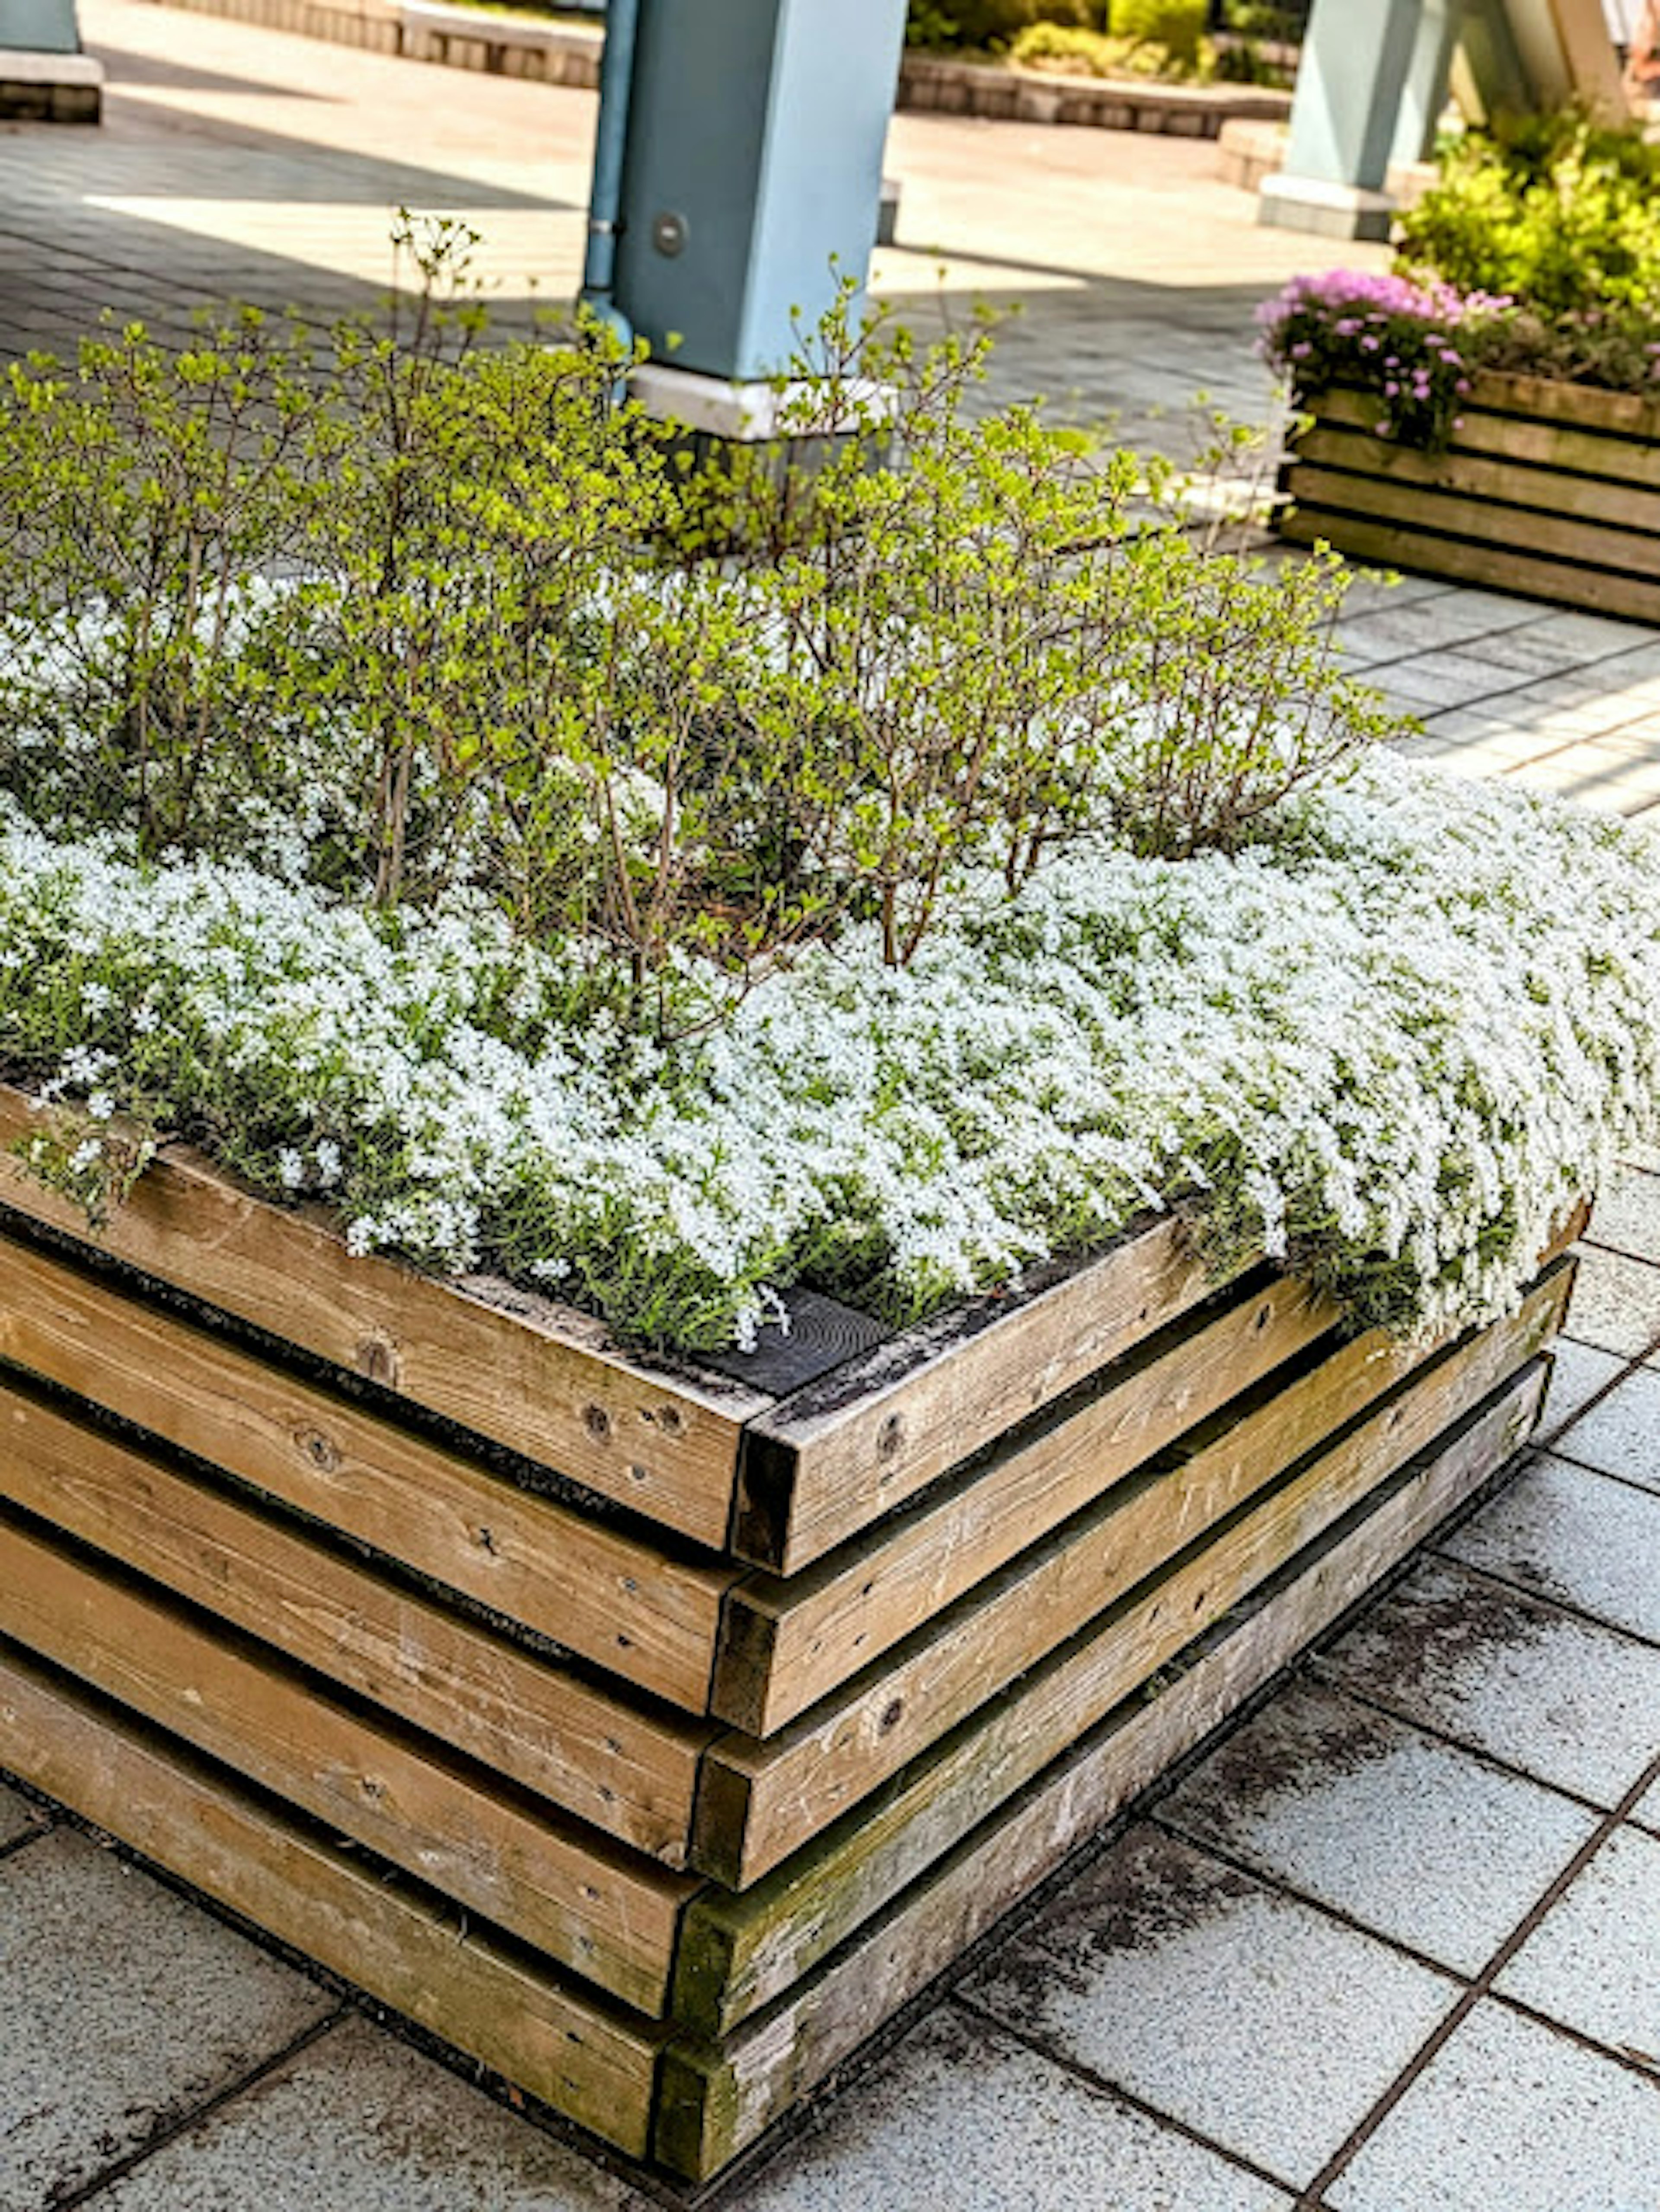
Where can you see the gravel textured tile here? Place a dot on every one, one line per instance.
(1565, 1700)
(1593, 1961)
(359, 2123)
(1616, 1303)
(962, 2115)
(1577, 1373)
(16, 1816)
(1628, 1215)
(1567, 1533)
(1512, 2117)
(1257, 2020)
(1412, 1836)
(121, 2007)
(1621, 1435)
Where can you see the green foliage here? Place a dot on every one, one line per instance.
(1559, 214)
(991, 24)
(1281, 21)
(931, 27)
(1093, 53)
(1178, 26)
(408, 617)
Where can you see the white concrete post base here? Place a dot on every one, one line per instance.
(49, 88)
(1288, 203)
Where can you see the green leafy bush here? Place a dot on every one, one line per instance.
(1178, 26)
(431, 617)
(1093, 53)
(1560, 214)
(991, 23)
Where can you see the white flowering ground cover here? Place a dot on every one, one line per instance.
(1389, 1041)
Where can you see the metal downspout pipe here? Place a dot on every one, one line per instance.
(610, 148)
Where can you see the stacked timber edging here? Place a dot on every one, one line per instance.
(649, 1734)
(1549, 490)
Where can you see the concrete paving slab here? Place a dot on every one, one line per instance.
(1567, 1533)
(121, 2007)
(359, 2123)
(1579, 1372)
(1413, 1838)
(1217, 2000)
(1565, 1700)
(1616, 1303)
(1599, 773)
(17, 1817)
(1627, 1217)
(1621, 1435)
(962, 2115)
(1512, 2117)
(1593, 1961)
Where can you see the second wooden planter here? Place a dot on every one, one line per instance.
(653, 1733)
(1549, 490)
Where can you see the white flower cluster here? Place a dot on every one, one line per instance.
(1391, 1043)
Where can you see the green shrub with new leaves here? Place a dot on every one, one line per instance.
(1178, 26)
(1558, 213)
(408, 617)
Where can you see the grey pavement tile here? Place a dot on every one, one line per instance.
(17, 1816)
(1567, 1533)
(1616, 1303)
(1511, 2117)
(359, 2122)
(1411, 1836)
(121, 2007)
(1621, 1434)
(1646, 1811)
(960, 2116)
(1594, 1960)
(1565, 1700)
(1257, 2020)
(1577, 1373)
(1627, 1214)
(1448, 678)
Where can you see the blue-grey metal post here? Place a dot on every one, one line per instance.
(1357, 56)
(751, 173)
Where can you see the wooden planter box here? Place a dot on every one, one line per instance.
(1551, 490)
(649, 1733)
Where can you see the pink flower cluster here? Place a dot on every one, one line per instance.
(1390, 334)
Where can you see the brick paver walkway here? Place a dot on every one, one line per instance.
(1406, 1952)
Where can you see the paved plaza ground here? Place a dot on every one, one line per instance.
(1393, 1946)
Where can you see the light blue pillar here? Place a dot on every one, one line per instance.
(753, 172)
(38, 27)
(1357, 57)
(1424, 96)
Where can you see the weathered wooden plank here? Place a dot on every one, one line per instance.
(718, 2096)
(630, 1772)
(398, 1942)
(1499, 479)
(1608, 457)
(537, 1376)
(588, 1904)
(635, 1608)
(823, 1464)
(758, 1802)
(1633, 415)
(1556, 537)
(785, 1643)
(1393, 545)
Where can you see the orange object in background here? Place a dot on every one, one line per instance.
(1642, 62)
